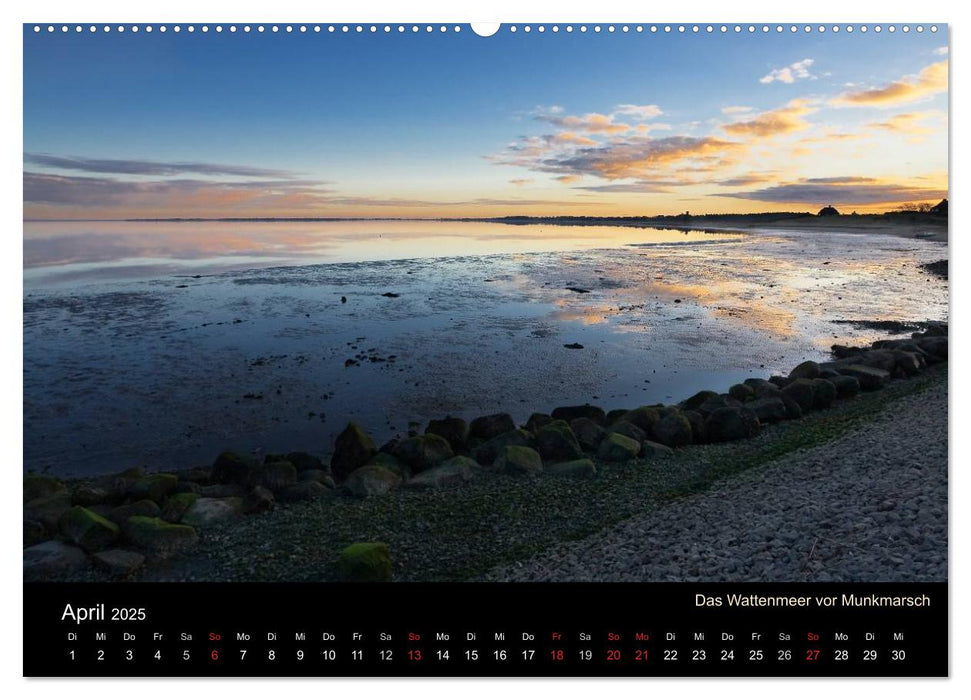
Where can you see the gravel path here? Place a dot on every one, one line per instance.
(869, 506)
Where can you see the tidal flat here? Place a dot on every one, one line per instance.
(162, 357)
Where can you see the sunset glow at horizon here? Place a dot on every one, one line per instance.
(120, 126)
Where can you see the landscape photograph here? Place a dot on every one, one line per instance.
(567, 303)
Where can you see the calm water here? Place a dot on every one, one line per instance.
(164, 343)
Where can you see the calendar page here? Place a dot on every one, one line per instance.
(545, 349)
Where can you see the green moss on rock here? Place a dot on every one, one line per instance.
(365, 562)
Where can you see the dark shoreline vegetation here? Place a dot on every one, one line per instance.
(459, 499)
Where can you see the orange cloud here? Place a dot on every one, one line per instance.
(930, 81)
(908, 123)
(773, 123)
(593, 123)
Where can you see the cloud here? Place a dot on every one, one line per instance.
(908, 123)
(112, 166)
(748, 179)
(736, 109)
(839, 191)
(778, 121)
(639, 111)
(567, 179)
(941, 51)
(791, 73)
(593, 123)
(520, 181)
(638, 187)
(930, 81)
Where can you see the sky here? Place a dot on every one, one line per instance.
(166, 125)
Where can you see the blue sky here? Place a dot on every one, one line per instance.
(118, 125)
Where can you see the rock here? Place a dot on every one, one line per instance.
(793, 409)
(187, 487)
(618, 448)
(537, 421)
(145, 507)
(762, 387)
(881, 359)
(644, 418)
(176, 506)
(302, 491)
(157, 536)
(568, 413)
(87, 529)
(741, 392)
(48, 509)
(488, 452)
(423, 452)
(487, 427)
(936, 348)
(85, 495)
(716, 402)
(234, 468)
(828, 373)
(870, 378)
(304, 461)
(779, 381)
(119, 563)
(154, 487)
(40, 486)
(805, 370)
(770, 409)
(389, 462)
(695, 401)
(654, 450)
(517, 459)
(261, 500)
(34, 532)
(615, 415)
(365, 562)
(732, 423)
(802, 392)
(842, 351)
(453, 472)
(198, 475)
(222, 490)
(352, 450)
(589, 434)
(320, 475)
(205, 511)
(846, 386)
(824, 393)
(371, 480)
(628, 430)
(454, 430)
(575, 469)
(908, 362)
(278, 475)
(51, 558)
(699, 434)
(557, 443)
(674, 430)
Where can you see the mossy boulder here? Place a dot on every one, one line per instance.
(741, 392)
(824, 393)
(86, 495)
(120, 514)
(304, 461)
(618, 448)
(693, 403)
(569, 413)
(762, 387)
(303, 491)
(48, 509)
(40, 486)
(278, 475)
(223, 490)
(206, 511)
(769, 409)
(653, 450)
(489, 451)
(537, 421)
(869, 378)
(158, 537)
(352, 450)
(34, 532)
(118, 563)
(43, 560)
(177, 504)
(365, 562)
(805, 370)
(588, 433)
(454, 430)
(517, 460)
(557, 443)
(793, 409)
(390, 462)
(314, 475)
(485, 428)
(673, 430)
(732, 423)
(260, 499)
(423, 452)
(630, 430)
(234, 468)
(87, 529)
(154, 487)
(574, 469)
(371, 480)
(644, 418)
(699, 434)
(452, 472)
(802, 391)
